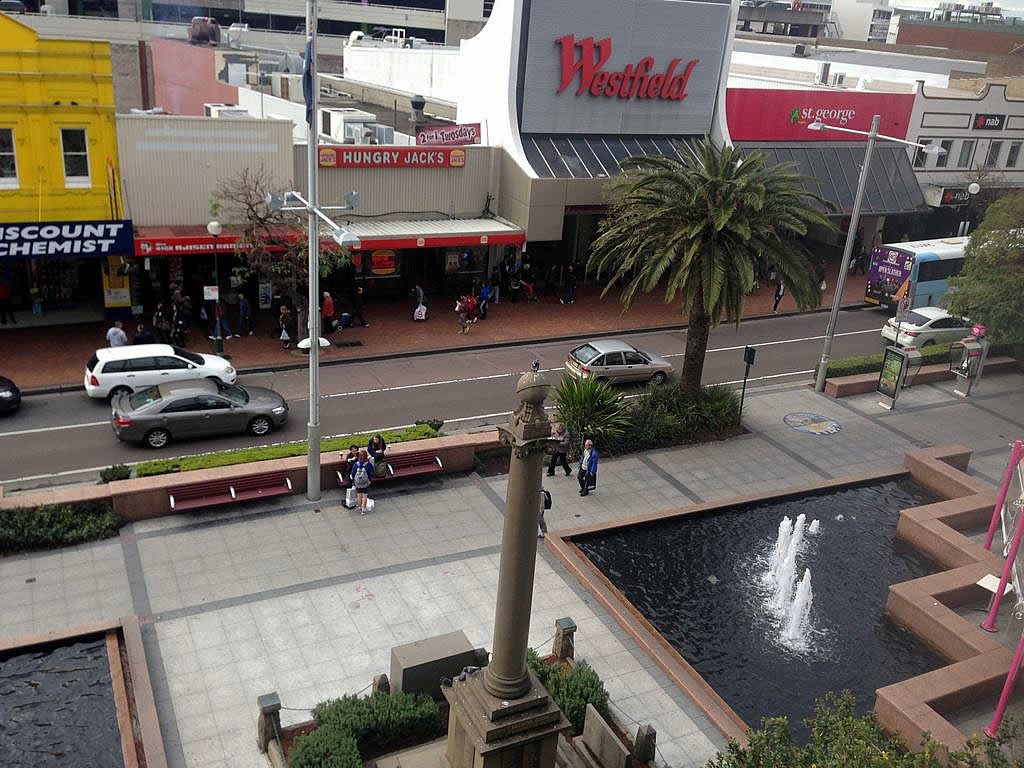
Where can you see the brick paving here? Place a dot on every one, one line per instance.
(55, 355)
(307, 599)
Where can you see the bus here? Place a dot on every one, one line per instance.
(920, 270)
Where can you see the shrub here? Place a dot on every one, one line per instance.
(115, 472)
(380, 722)
(591, 409)
(325, 748)
(575, 687)
(434, 424)
(939, 353)
(245, 455)
(56, 525)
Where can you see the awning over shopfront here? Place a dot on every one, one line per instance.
(833, 169)
(588, 157)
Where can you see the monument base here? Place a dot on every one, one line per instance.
(487, 732)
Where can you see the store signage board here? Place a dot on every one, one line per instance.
(953, 196)
(65, 239)
(373, 156)
(448, 135)
(761, 114)
(638, 67)
(989, 122)
(890, 378)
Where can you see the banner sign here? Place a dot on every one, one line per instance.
(763, 114)
(989, 122)
(354, 156)
(955, 196)
(63, 239)
(448, 135)
(183, 246)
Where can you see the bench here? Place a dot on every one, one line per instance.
(212, 493)
(408, 464)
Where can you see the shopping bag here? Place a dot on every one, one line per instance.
(369, 505)
(350, 498)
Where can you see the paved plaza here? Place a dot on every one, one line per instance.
(308, 599)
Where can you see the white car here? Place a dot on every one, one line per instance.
(924, 327)
(113, 370)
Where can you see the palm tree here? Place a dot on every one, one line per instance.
(699, 224)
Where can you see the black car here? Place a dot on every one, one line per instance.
(10, 396)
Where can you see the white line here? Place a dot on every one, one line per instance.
(780, 341)
(55, 429)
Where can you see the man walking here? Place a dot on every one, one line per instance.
(245, 324)
(142, 336)
(588, 468)
(560, 456)
(780, 291)
(327, 313)
(570, 285)
(116, 337)
(357, 306)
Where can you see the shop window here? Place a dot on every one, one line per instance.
(942, 159)
(992, 158)
(8, 161)
(1013, 155)
(920, 156)
(966, 153)
(75, 145)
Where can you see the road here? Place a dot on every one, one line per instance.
(62, 434)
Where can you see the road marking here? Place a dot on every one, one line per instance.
(780, 341)
(54, 429)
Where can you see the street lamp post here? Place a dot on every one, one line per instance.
(851, 235)
(215, 228)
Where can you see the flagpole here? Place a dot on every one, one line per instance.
(312, 157)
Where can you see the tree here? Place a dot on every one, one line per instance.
(268, 243)
(991, 286)
(699, 224)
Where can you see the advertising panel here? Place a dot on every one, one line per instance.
(637, 67)
(891, 375)
(448, 135)
(889, 276)
(65, 239)
(352, 156)
(761, 114)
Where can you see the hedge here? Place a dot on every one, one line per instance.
(56, 525)
(851, 366)
(353, 726)
(246, 455)
(571, 687)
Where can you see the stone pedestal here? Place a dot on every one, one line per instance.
(485, 731)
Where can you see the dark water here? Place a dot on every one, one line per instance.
(57, 708)
(667, 571)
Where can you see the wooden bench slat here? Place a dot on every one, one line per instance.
(212, 493)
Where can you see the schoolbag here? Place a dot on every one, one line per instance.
(362, 478)
(547, 498)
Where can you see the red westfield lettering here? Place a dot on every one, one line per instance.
(635, 81)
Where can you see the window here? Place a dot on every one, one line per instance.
(613, 358)
(169, 363)
(966, 153)
(210, 403)
(1013, 155)
(939, 270)
(185, 405)
(635, 358)
(942, 159)
(992, 158)
(192, 357)
(8, 160)
(144, 397)
(920, 157)
(140, 364)
(116, 366)
(75, 146)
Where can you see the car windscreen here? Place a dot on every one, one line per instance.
(92, 363)
(144, 397)
(192, 357)
(585, 354)
(234, 393)
(914, 318)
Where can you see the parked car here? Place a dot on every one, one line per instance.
(113, 370)
(10, 396)
(924, 327)
(157, 415)
(204, 29)
(12, 6)
(616, 362)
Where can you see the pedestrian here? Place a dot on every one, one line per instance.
(284, 322)
(587, 474)
(463, 313)
(116, 337)
(220, 325)
(561, 454)
(496, 284)
(245, 322)
(179, 326)
(361, 475)
(5, 303)
(161, 323)
(357, 306)
(142, 336)
(545, 504)
(351, 458)
(570, 285)
(472, 309)
(327, 313)
(485, 298)
(780, 291)
(375, 447)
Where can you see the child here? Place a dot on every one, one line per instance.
(362, 476)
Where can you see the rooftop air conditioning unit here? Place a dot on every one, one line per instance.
(801, 51)
(837, 80)
(823, 72)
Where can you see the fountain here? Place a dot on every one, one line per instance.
(792, 608)
(800, 610)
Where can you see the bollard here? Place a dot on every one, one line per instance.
(381, 684)
(268, 726)
(564, 646)
(644, 744)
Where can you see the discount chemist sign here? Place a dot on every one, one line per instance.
(60, 239)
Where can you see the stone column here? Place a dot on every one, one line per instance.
(529, 434)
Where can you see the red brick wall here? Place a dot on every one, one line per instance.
(185, 78)
(963, 39)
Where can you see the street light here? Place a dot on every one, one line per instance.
(293, 201)
(214, 228)
(851, 234)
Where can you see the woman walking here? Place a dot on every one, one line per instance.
(361, 475)
(462, 310)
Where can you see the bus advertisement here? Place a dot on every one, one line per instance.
(919, 271)
(889, 276)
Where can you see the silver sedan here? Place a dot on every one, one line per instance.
(616, 362)
(156, 415)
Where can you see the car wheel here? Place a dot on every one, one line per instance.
(929, 343)
(157, 438)
(659, 378)
(119, 391)
(260, 426)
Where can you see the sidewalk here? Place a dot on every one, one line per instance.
(55, 355)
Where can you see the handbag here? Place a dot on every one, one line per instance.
(370, 505)
(284, 335)
(823, 286)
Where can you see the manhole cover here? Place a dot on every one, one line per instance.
(812, 423)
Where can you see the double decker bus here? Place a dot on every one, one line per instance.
(920, 270)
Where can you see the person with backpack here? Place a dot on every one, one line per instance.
(361, 475)
(545, 504)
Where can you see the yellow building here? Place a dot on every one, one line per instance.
(58, 170)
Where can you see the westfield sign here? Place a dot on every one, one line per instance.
(586, 58)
